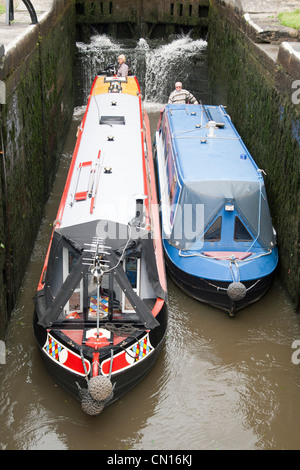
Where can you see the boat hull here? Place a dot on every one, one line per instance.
(214, 293)
(218, 238)
(101, 305)
(123, 381)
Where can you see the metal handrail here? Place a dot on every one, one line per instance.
(10, 11)
(31, 10)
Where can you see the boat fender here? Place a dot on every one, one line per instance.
(100, 387)
(89, 405)
(236, 291)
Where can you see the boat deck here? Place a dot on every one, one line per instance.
(220, 151)
(110, 154)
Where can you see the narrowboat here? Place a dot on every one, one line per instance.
(101, 308)
(219, 241)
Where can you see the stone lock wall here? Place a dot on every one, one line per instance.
(34, 120)
(38, 80)
(142, 18)
(261, 99)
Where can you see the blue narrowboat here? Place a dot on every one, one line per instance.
(218, 237)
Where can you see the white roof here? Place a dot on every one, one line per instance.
(120, 147)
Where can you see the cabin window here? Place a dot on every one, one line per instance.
(167, 150)
(170, 170)
(172, 189)
(213, 233)
(92, 293)
(131, 266)
(241, 234)
(75, 302)
(56, 276)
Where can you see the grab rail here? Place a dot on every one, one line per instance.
(10, 11)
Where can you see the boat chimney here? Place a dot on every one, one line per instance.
(211, 127)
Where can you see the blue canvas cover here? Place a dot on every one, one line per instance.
(213, 167)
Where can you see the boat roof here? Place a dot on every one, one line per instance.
(204, 157)
(107, 170)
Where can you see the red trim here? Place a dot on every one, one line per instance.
(157, 306)
(93, 198)
(154, 209)
(74, 335)
(137, 84)
(92, 205)
(85, 164)
(81, 196)
(150, 159)
(160, 118)
(67, 185)
(69, 177)
(228, 254)
(97, 342)
(143, 154)
(124, 359)
(95, 364)
(68, 359)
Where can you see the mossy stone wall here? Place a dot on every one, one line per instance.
(34, 122)
(140, 18)
(258, 95)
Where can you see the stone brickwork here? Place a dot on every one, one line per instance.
(254, 71)
(260, 85)
(38, 105)
(141, 18)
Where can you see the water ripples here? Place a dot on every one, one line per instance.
(219, 383)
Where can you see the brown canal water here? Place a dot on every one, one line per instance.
(219, 383)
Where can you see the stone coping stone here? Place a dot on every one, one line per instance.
(265, 28)
(262, 6)
(289, 58)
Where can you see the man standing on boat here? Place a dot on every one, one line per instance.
(179, 95)
(123, 67)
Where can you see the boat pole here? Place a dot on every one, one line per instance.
(9, 12)
(98, 301)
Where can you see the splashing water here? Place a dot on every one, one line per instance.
(156, 64)
(169, 63)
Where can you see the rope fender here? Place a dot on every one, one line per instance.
(236, 290)
(98, 394)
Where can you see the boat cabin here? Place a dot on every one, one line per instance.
(214, 197)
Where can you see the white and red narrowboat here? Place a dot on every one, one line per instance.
(101, 304)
